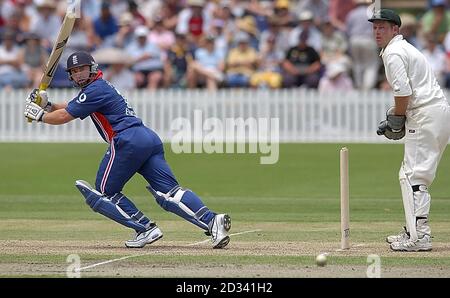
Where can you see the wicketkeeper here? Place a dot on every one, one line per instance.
(133, 148)
(422, 115)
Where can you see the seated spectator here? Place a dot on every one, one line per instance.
(221, 40)
(334, 45)
(207, 67)
(191, 20)
(46, 23)
(106, 24)
(160, 36)
(335, 79)
(125, 36)
(436, 21)
(305, 23)
(115, 64)
(436, 56)
(120, 76)
(11, 74)
(176, 64)
(147, 57)
(302, 65)
(281, 34)
(269, 70)
(33, 58)
(241, 63)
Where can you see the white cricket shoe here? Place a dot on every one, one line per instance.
(421, 244)
(219, 227)
(403, 236)
(143, 238)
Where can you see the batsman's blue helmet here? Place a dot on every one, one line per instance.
(79, 59)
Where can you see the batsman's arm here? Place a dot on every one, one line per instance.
(58, 106)
(57, 117)
(401, 104)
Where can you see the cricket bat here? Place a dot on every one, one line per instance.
(58, 48)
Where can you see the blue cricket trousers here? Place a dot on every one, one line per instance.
(135, 150)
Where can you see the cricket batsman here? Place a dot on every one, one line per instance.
(421, 115)
(133, 148)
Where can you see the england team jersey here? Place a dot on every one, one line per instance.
(108, 109)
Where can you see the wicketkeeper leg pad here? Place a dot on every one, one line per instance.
(184, 203)
(422, 203)
(408, 203)
(116, 207)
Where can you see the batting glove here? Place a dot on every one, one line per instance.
(34, 112)
(40, 98)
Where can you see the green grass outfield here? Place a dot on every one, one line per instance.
(294, 204)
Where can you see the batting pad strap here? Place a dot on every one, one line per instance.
(183, 203)
(202, 211)
(419, 187)
(138, 216)
(115, 199)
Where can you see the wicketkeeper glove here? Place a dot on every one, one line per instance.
(393, 127)
(33, 111)
(40, 98)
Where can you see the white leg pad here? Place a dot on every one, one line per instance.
(408, 204)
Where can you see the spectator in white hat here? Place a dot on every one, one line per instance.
(46, 23)
(319, 9)
(335, 79)
(306, 23)
(147, 60)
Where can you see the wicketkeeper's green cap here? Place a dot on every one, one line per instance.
(386, 15)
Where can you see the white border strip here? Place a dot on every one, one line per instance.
(150, 253)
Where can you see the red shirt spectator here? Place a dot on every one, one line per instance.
(196, 25)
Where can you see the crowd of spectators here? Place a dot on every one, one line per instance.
(324, 44)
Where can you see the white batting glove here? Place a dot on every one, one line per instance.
(33, 111)
(40, 98)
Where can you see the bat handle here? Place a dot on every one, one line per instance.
(38, 101)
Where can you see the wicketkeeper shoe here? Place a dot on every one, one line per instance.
(219, 227)
(143, 238)
(421, 244)
(403, 236)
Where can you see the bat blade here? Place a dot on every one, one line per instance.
(55, 56)
(58, 48)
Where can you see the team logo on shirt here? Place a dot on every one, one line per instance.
(81, 98)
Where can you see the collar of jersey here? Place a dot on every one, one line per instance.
(98, 76)
(393, 40)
